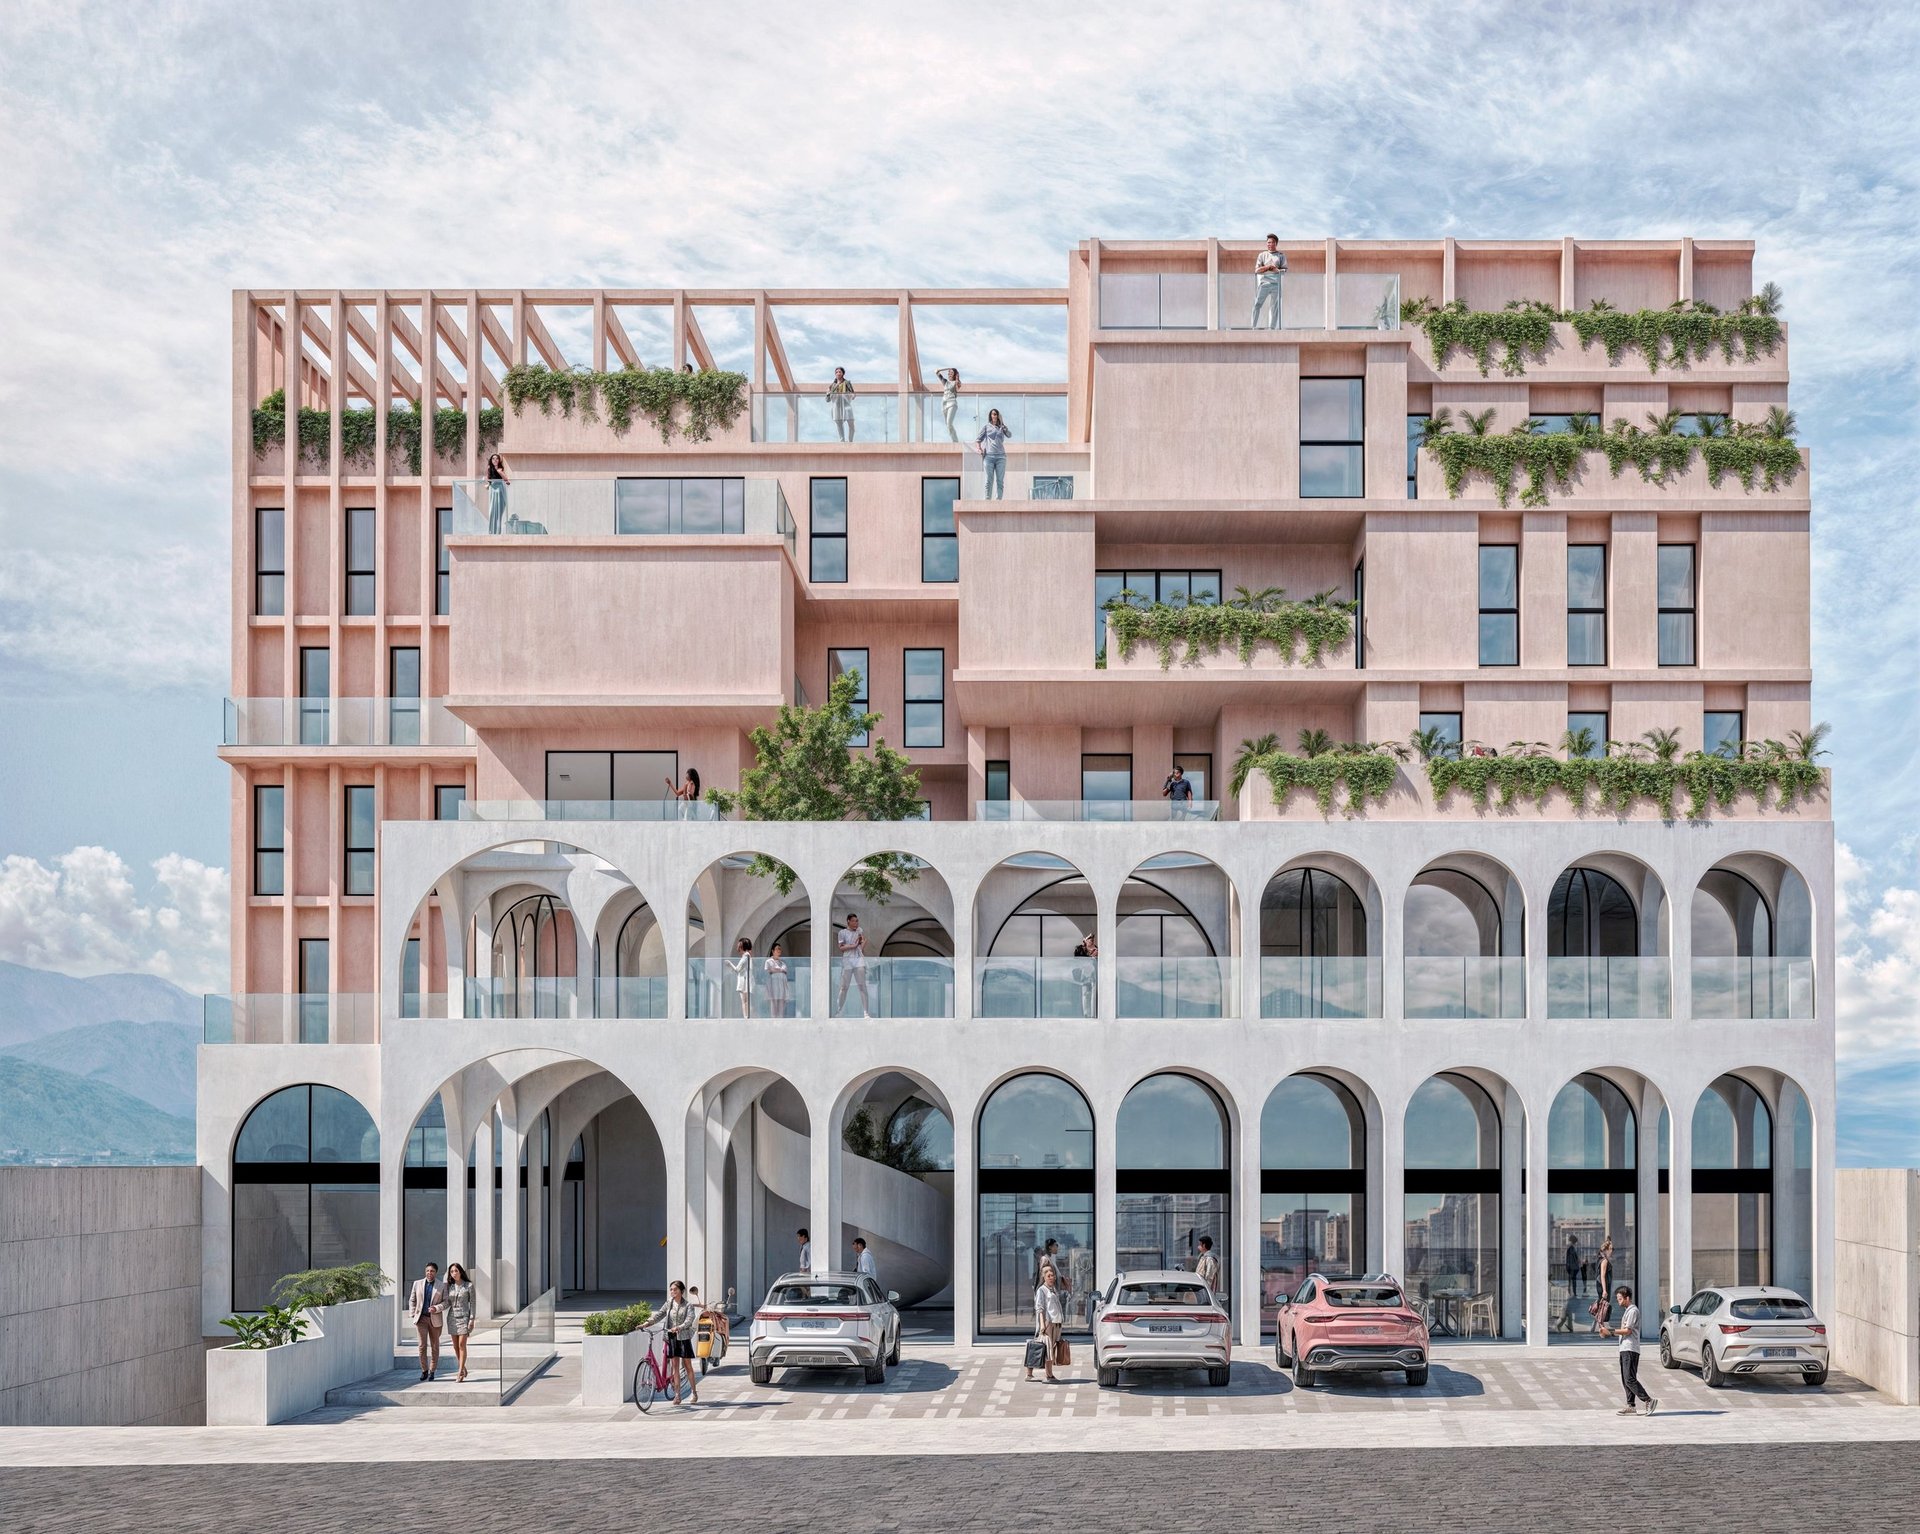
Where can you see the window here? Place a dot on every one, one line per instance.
(1586, 604)
(827, 531)
(403, 692)
(1198, 767)
(1106, 781)
(841, 661)
(1172, 588)
(360, 824)
(306, 1189)
(1499, 604)
(269, 839)
(410, 978)
(923, 810)
(1558, 423)
(359, 561)
(1449, 727)
(1596, 727)
(1416, 434)
(315, 985)
(270, 561)
(316, 688)
(1725, 733)
(1332, 437)
(926, 697)
(1676, 599)
(596, 780)
(443, 578)
(679, 506)
(939, 540)
(1360, 615)
(999, 782)
(448, 800)
(1700, 423)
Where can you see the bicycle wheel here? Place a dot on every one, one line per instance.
(643, 1384)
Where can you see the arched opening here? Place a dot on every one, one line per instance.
(1318, 953)
(306, 1189)
(1313, 1186)
(758, 1124)
(1175, 1180)
(1607, 941)
(423, 1194)
(1592, 1200)
(897, 1193)
(1037, 914)
(1465, 929)
(745, 960)
(1733, 1186)
(1176, 922)
(635, 983)
(1752, 940)
(1453, 1205)
(534, 961)
(1035, 1200)
(892, 956)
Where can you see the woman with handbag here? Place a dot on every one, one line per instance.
(1049, 1315)
(1602, 1307)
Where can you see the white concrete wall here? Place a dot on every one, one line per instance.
(1874, 1321)
(255, 1387)
(100, 1296)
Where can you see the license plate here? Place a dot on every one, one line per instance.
(1173, 1327)
(1778, 1352)
(810, 1325)
(1370, 1331)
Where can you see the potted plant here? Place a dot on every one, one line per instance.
(323, 1328)
(610, 1350)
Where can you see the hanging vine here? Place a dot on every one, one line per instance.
(712, 398)
(359, 431)
(1244, 622)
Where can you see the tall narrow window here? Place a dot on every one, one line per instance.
(443, 570)
(1360, 616)
(269, 561)
(999, 782)
(359, 561)
(315, 984)
(1332, 437)
(316, 693)
(1587, 734)
(448, 798)
(926, 697)
(1586, 604)
(1725, 733)
(410, 978)
(360, 827)
(1499, 604)
(1197, 766)
(403, 687)
(827, 532)
(269, 839)
(840, 661)
(939, 539)
(1416, 434)
(1677, 603)
(1448, 735)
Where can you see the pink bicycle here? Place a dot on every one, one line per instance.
(654, 1375)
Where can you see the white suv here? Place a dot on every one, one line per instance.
(824, 1321)
(1745, 1329)
(1163, 1319)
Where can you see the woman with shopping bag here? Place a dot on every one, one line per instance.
(1049, 1315)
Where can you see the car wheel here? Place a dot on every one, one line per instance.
(1417, 1378)
(762, 1373)
(1280, 1357)
(877, 1373)
(1667, 1360)
(1815, 1380)
(1108, 1378)
(1710, 1370)
(893, 1358)
(1302, 1375)
(1220, 1378)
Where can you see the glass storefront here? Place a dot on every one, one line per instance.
(1592, 1201)
(1035, 1200)
(1313, 1179)
(306, 1194)
(1732, 1186)
(1453, 1206)
(1173, 1180)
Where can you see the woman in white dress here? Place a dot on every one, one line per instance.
(779, 987)
(742, 966)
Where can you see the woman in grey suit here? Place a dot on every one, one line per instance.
(459, 1313)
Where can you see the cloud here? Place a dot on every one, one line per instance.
(82, 914)
(1877, 972)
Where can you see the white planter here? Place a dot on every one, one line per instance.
(252, 1387)
(606, 1368)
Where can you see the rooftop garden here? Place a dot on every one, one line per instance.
(702, 400)
(359, 432)
(1246, 622)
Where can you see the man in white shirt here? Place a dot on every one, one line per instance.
(1628, 1331)
(806, 1250)
(853, 964)
(863, 1259)
(1207, 1269)
(1268, 267)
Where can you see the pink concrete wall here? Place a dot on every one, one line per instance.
(1187, 423)
(1019, 573)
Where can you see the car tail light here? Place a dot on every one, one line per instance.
(1212, 1318)
(1817, 1330)
(1121, 1315)
(1408, 1317)
(1730, 1331)
(1316, 1320)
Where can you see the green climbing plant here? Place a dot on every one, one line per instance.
(712, 398)
(1244, 622)
(359, 432)
(1361, 772)
(1521, 330)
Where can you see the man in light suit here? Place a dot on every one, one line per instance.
(426, 1306)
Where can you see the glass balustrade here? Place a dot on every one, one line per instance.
(535, 996)
(1019, 476)
(387, 722)
(1366, 301)
(916, 985)
(1031, 417)
(1184, 986)
(1320, 986)
(1302, 301)
(1753, 987)
(1137, 811)
(1024, 986)
(630, 996)
(524, 1344)
(1472, 986)
(587, 809)
(633, 506)
(1153, 300)
(811, 416)
(1587, 986)
(280, 1018)
(724, 988)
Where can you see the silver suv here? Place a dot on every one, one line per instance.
(1745, 1329)
(824, 1321)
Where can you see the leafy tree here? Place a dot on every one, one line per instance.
(331, 1286)
(900, 1146)
(805, 768)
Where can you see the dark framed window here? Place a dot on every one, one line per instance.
(1556, 423)
(316, 694)
(315, 989)
(839, 661)
(1360, 616)
(403, 695)
(923, 810)
(443, 570)
(360, 579)
(1586, 604)
(1699, 423)
(1724, 733)
(999, 782)
(1416, 434)
(1170, 588)
(269, 839)
(1499, 604)
(925, 673)
(270, 561)
(448, 798)
(594, 782)
(410, 979)
(1333, 425)
(360, 832)
(1449, 727)
(827, 531)
(1677, 601)
(939, 538)
(306, 1188)
(654, 506)
(1595, 724)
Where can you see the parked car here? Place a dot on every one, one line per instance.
(1349, 1326)
(824, 1321)
(1160, 1319)
(1745, 1329)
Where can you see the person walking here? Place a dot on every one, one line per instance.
(678, 1318)
(1049, 1315)
(460, 1312)
(497, 482)
(779, 985)
(806, 1250)
(742, 966)
(992, 446)
(426, 1306)
(840, 402)
(863, 1260)
(1207, 1268)
(949, 398)
(1268, 269)
(1603, 1288)
(1628, 1331)
(1573, 1264)
(853, 964)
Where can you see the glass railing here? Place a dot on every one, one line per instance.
(634, 506)
(722, 988)
(1132, 810)
(1361, 301)
(341, 722)
(1019, 476)
(1589, 986)
(1153, 300)
(1753, 987)
(1034, 987)
(918, 985)
(1032, 417)
(813, 417)
(1320, 986)
(532, 997)
(277, 1018)
(630, 996)
(524, 1344)
(1473, 986)
(587, 809)
(1188, 986)
(1366, 301)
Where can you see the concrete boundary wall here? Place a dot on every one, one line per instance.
(1876, 1312)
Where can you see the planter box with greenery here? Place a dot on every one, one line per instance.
(610, 1350)
(328, 1327)
(359, 433)
(578, 409)
(1249, 628)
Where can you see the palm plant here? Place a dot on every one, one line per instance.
(1431, 743)
(1664, 423)
(1709, 424)
(1478, 425)
(1436, 426)
(1780, 424)
(1768, 302)
(1580, 423)
(1265, 600)
(1531, 427)
(1809, 745)
(1250, 755)
(1578, 743)
(1663, 743)
(1315, 743)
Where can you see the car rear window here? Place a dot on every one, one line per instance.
(1163, 1294)
(1770, 1308)
(815, 1294)
(1363, 1297)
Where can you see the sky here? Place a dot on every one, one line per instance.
(158, 156)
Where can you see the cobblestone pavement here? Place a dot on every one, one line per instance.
(1749, 1488)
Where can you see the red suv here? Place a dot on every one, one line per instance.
(1349, 1326)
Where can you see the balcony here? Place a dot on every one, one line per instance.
(642, 507)
(1025, 986)
(908, 986)
(715, 989)
(1031, 417)
(341, 722)
(517, 810)
(1320, 986)
(1178, 301)
(813, 417)
(528, 997)
(1474, 986)
(1186, 986)
(1134, 811)
(1609, 987)
(641, 996)
(1753, 987)
(278, 1018)
(1023, 476)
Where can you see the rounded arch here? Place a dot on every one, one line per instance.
(534, 969)
(1594, 1217)
(1607, 940)
(1735, 1180)
(1319, 940)
(1172, 1120)
(870, 972)
(1455, 1181)
(1314, 1182)
(746, 902)
(306, 1188)
(1042, 917)
(1464, 926)
(638, 978)
(1175, 923)
(1173, 1140)
(1035, 1180)
(896, 1129)
(1752, 926)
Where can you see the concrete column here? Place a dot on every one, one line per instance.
(1539, 1263)
(1390, 1177)
(1106, 1178)
(966, 1213)
(1106, 988)
(964, 891)
(711, 1274)
(825, 1202)
(746, 1265)
(456, 1199)
(673, 1153)
(1825, 1299)
(536, 1221)
(1513, 1211)
(393, 1204)
(508, 1289)
(485, 1279)
(1648, 1238)
(693, 1196)
(1244, 1276)
(1680, 1203)
(820, 903)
